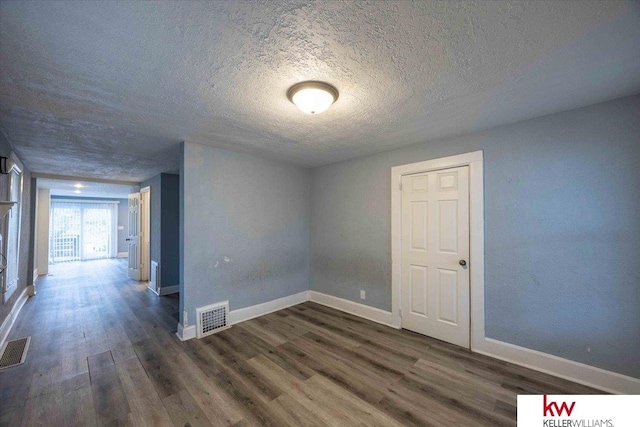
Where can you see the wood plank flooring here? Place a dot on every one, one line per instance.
(104, 352)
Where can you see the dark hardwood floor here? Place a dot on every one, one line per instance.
(104, 352)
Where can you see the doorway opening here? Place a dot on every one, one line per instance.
(78, 221)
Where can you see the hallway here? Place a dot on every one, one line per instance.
(81, 311)
(104, 352)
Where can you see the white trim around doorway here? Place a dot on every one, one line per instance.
(145, 231)
(474, 161)
(592, 376)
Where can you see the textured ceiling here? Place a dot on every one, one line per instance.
(63, 187)
(109, 89)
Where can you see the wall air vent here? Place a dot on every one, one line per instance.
(212, 318)
(14, 352)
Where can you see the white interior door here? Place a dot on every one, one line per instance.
(134, 236)
(435, 254)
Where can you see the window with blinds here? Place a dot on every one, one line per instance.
(82, 230)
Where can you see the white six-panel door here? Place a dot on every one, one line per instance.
(435, 254)
(134, 236)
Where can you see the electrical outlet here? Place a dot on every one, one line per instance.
(362, 294)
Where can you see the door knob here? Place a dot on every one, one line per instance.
(462, 262)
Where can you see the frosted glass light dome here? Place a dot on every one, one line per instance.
(313, 97)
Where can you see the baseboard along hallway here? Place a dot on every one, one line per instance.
(104, 351)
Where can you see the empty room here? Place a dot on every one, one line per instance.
(320, 213)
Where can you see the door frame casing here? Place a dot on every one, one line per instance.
(145, 219)
(474, 160)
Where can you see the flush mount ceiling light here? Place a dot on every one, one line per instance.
(78, 185)
(312, 97)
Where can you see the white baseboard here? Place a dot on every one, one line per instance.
(357, 309)
(151, 289)
(581, 373)
(247, 313)
(187, 333)
(242, 314)
(31, 289)
(7, 324)
(166, 290)
(122, 255)
(591, 376)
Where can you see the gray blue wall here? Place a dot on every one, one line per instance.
(165, 226)
(170, 229)
(562, 231)
(123, 221)
(245, 229)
